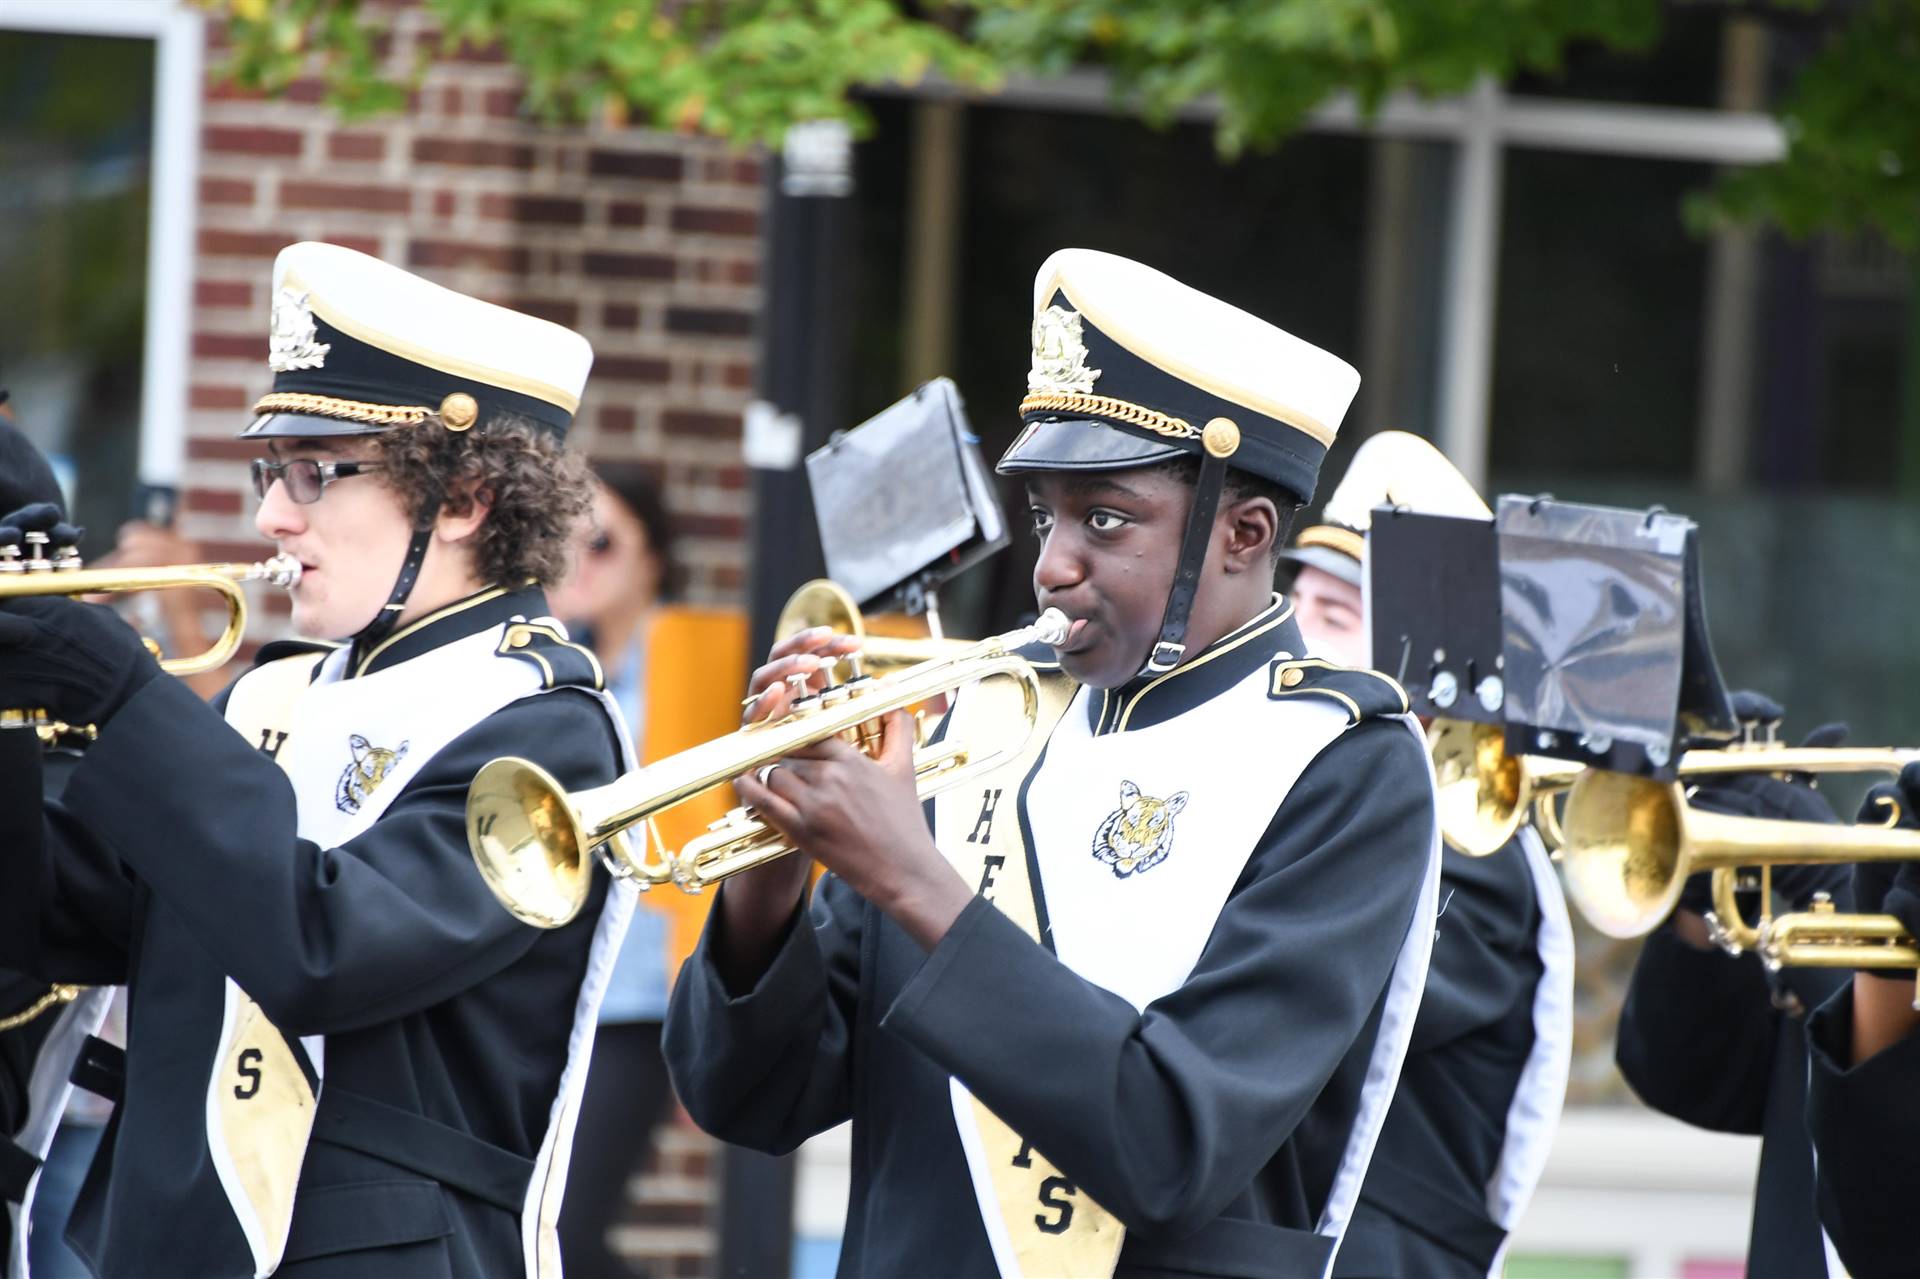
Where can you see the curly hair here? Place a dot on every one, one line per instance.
(534, 487)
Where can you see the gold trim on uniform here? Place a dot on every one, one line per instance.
(1220, 437)
(1256, 627)
(458, 606)
(1108, 407)
(349, 410)
(1334, 538)
(1174, 366)
(438, 359)
(459, 411)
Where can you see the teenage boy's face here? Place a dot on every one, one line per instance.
(350, 543)
(1332, 620)
(1109, 544)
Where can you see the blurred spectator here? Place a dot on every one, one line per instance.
(623, 567)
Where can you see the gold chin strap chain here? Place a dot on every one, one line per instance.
(54, 998)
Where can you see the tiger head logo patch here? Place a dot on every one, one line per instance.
(369, 768)
(1138, 835)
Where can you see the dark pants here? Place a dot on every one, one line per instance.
(627, 1096)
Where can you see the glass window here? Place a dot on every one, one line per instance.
(76, 127)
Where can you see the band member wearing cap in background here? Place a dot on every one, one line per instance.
(1719, 1042)
(344, 1055)
(1486, 1072)
(1135, 1003)
(1865, 1046)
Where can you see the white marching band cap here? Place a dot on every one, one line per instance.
(1393, 468)
(1132, 368)
(360, 346)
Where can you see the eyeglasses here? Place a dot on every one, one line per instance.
(305, 478)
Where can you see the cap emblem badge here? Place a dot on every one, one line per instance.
(291, 345)
(1059, 355)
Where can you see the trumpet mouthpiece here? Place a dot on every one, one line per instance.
(282, 570)
(1050, 628)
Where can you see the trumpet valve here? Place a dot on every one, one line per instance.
(37, 551)
(1822, 904)
(66, 559)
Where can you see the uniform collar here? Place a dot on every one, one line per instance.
(455, 621)
(1148, 700)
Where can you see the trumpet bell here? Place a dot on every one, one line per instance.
(527, 840)
(1481, 787)
(1623, 857)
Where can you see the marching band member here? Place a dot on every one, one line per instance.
(1865, 1049)
(1486, 1072)
(344, 1056)
(1717, 1041)
(1141, 992)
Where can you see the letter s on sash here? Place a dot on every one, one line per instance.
(248, 1065)
(1055, 1193)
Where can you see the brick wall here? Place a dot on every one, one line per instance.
(646, 243)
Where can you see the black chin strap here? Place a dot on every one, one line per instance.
(1171, 646)
(383, 622)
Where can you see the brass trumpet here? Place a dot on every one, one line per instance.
(1632, 842)
(1484, 793)
(61, 574)
(824, 602)
(534, 842)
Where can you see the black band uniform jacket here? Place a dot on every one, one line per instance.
(173, 865)
(1213, 1124)
(1485, 1075)
(1864, 1121)
(1716, 1041)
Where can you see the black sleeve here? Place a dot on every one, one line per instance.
(1865, 1125)
(1485, 946)
(1697, 1034)
(325, 939)
(1169, 1113)
(771, 1066)
(64, 918)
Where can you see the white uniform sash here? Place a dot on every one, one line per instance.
(1542, 1091)
(350, 747)
(1163, 805)
(47, 1092)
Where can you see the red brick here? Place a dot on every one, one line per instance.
(222, 293)
(218, 397)
(335, 195)
(694, 422)
(223, 346)
(244, 244)
(617, 419)
(701, 524)
(549, 210)
(244, 552)
(452, 101)
(212, 501)
(645, 166)
(737, 377)
(702, 221)
(745, 273)
(746, 172)
(631, 368)
(487, 55)
(708, 321)
(445, 253)
(202, 448)
(474, 152)
(357, 146)
(443, 204)
(226, 191)
(620, 315)
(556, 310)
(251, 140)
(627, 213)
(628, 266)
(726, 577)
(502, 104)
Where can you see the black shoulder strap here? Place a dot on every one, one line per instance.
(1363, 693)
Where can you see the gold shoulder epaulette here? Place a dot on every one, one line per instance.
(562, 663)
(1364, 694)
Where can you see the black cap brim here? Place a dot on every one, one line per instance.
(1081, 444)
(1324, 558)
(305, 426)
